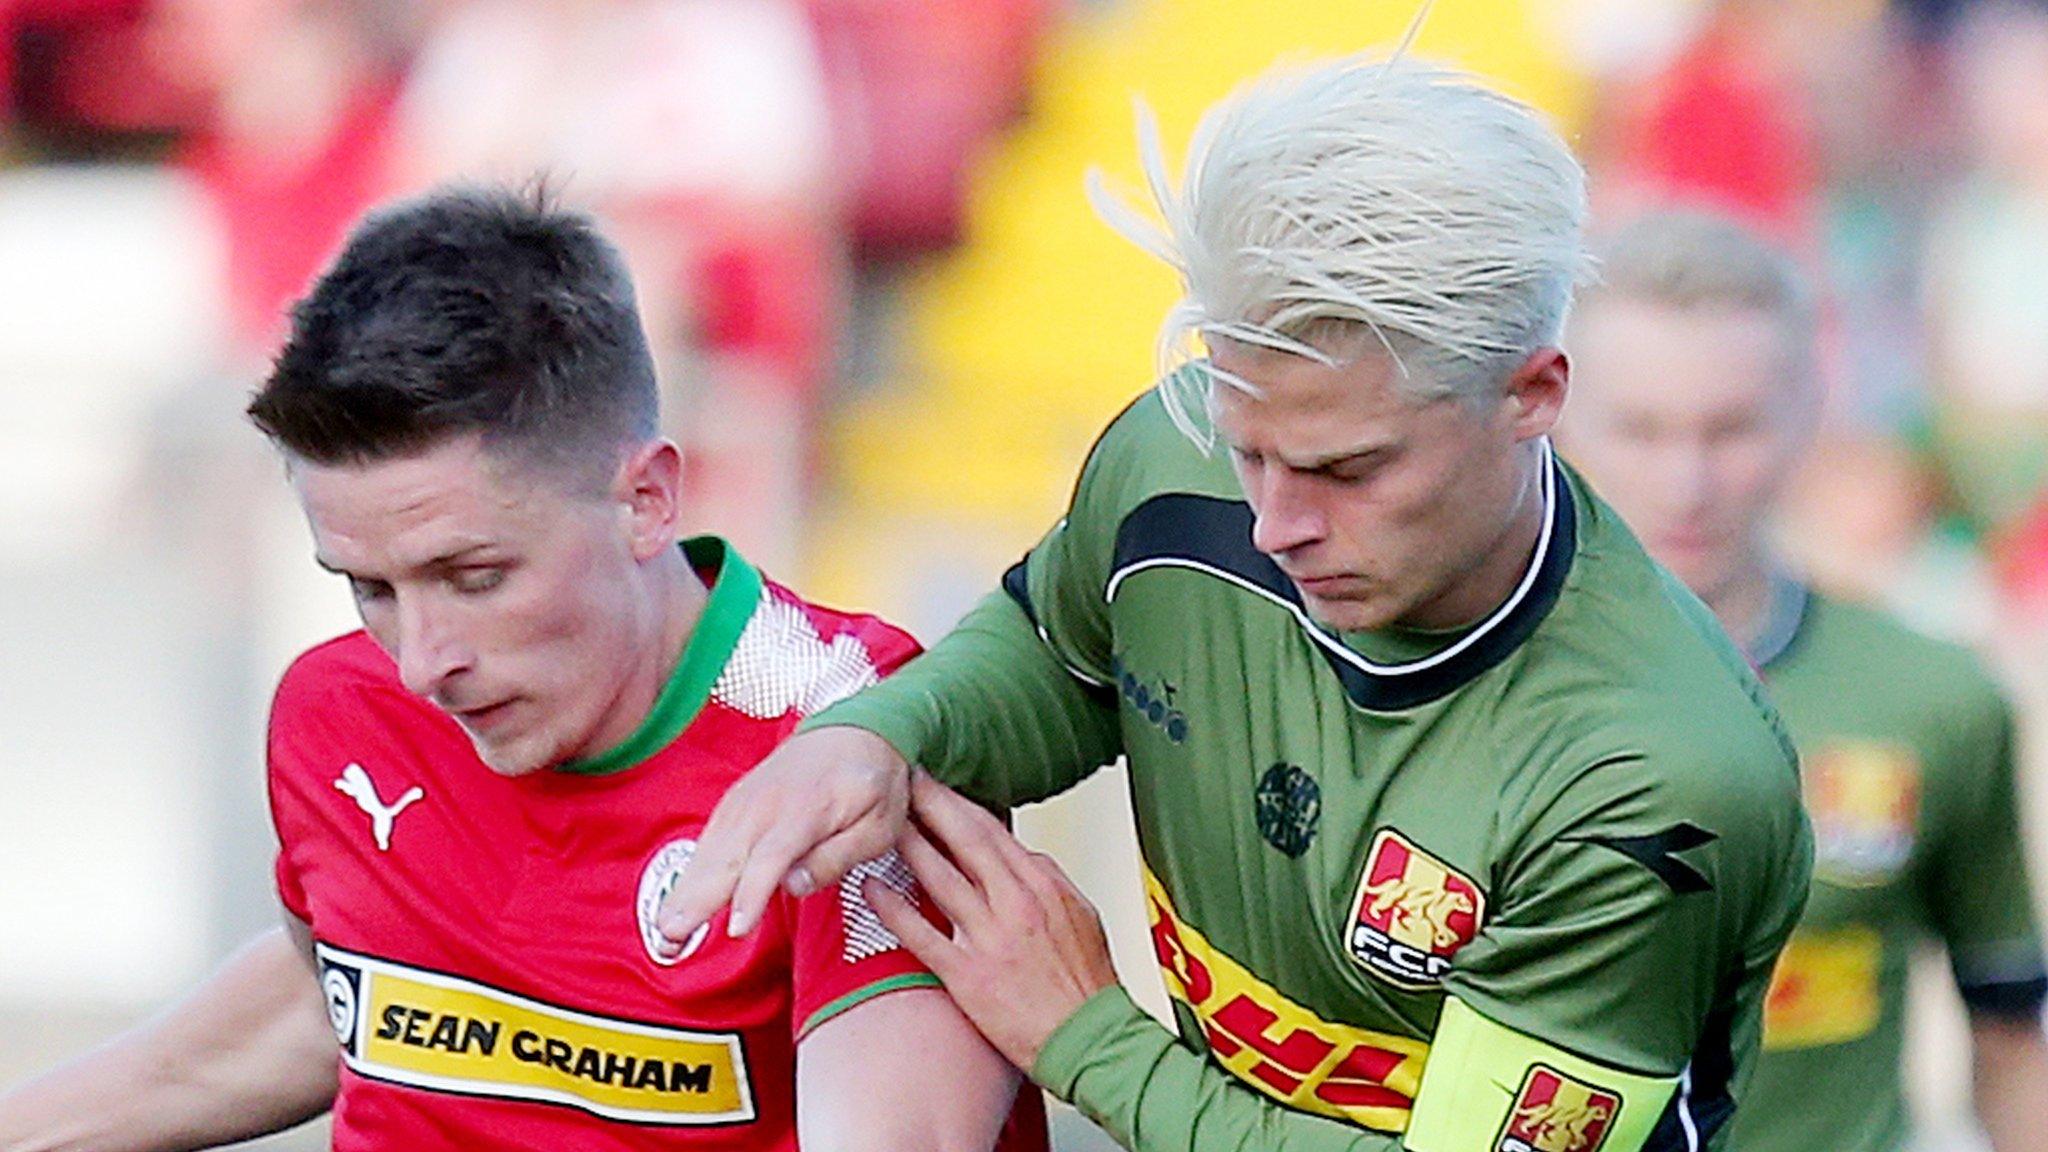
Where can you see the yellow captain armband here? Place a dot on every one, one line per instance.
(1489, 1088)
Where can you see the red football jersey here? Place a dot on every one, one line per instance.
(486, 944)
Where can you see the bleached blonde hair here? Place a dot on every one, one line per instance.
(1363, 202)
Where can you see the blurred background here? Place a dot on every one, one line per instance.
(889, 328)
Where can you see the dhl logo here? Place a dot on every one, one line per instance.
(1824, 989)
(1412, 913)
(1864, 799)
(1277, 1046)
(1555, 1113)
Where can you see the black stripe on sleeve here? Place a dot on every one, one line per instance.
(1704, 1103)
(2019, 1000)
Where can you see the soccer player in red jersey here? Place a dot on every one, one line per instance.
(483, 796)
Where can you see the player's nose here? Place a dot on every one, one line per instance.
(1282, 518)
(428, 650)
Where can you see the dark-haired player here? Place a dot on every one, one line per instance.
(483, 796)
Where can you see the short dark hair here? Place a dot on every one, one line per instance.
(468, 310)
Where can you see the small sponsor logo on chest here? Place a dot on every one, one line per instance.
(1555, 1113)
(1411, 914)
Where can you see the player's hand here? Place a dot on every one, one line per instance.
(1027, 949)
(818, 805)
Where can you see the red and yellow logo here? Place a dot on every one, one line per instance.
(1555, 1113)
(1824, 989)
(1864, 799)
(1277, 1046)
(1412, 913)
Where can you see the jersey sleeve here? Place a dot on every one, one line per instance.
(1017, 703)
(1978, 886)
(286, 802)
(1623, 965)
(1152, 1093)
(841, 955)
(1062, 584)
(299, 771)
(291, 891)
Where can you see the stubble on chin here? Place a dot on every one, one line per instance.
(505, 759)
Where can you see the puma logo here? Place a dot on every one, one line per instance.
(355, 784)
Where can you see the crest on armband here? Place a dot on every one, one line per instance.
(1555, 1113)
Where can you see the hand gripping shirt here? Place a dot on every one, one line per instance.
(1907, 753)
(486, 944)
(1518, 888)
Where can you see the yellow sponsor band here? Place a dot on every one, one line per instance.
(440, 1032)
(1277, 1046)
(1824, 989)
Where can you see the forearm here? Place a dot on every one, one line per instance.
(250, 1052)
(2009, 1074)
(1152, 1093)
(131, 1096)
(990, 711)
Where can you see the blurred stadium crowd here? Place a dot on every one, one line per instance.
(886, 322)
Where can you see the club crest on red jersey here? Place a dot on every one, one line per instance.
(663, 869)
(1555, 1113)
(1411, 914)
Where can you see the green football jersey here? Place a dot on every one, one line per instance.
(1519, 887)
(1908, 755)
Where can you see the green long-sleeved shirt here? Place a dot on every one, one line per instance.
(1517, 887)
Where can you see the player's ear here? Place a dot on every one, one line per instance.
(649, 490)
(1536, 392)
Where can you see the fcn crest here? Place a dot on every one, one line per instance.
(1864, 799)
(1411, 914)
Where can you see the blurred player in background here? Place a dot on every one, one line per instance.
(1430, 762)
(482, 797)
(1697, 393)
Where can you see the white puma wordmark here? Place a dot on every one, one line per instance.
(355, 784)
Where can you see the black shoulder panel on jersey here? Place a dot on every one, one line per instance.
(1214, 535)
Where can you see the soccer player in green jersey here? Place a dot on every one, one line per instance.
(1464, 828)
(1696, 394)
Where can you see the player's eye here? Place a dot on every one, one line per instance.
(472, 581)
(1358, 469)
(1355, 471)
(1736, 426)
(368, 591)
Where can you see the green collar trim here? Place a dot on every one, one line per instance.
(735, 592)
